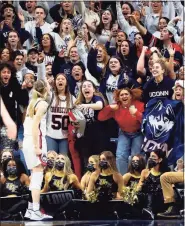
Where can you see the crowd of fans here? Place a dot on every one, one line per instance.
(115, 119)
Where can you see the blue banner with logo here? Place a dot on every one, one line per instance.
(163, 127)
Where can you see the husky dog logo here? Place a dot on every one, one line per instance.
(161, 120)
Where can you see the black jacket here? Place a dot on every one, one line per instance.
(13, 96)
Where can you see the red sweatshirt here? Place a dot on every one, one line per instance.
(125, 120)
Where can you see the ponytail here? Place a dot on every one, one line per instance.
(38, 92)
(32, 103)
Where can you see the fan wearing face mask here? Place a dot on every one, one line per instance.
(137, 164)
(93, 165)
(51, 158)
(62, 177)
(105, 184)
(5, 154)
(8, 154)
(15, 182)
(149, 183)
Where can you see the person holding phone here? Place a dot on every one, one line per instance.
(90, 14)
(102, 31)
(82, 42)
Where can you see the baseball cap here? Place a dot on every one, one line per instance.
(179, 83)
(32, 50)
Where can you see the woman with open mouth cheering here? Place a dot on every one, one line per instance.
(57, 117)
(90, 102)
(127, 112)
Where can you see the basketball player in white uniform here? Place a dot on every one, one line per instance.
(34, 146)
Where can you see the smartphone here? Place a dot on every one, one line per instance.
(80, 33)
(115, 27)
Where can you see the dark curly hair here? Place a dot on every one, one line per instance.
(10, 67)
(52, 50)
(18, 166)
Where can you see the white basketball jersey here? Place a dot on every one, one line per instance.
(58, 119)
(28, 124)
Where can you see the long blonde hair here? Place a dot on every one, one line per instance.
(65, 180)
(96, 159)
(81, 98)
(39, 91)
(72, 34)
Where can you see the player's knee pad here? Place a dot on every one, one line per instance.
(36, 180)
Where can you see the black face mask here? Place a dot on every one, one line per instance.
(90, 168)
(135, 165)
(59, 165)
(103, 165)
(50, 163)
(11, 171)
(152, 163)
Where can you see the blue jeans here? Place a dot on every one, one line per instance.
(58, 145)
(128, 144)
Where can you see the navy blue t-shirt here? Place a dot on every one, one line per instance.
(90, 114)
(162, 89)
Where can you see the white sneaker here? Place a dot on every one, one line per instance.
(28, 214)
(148, 213)
(38, 216)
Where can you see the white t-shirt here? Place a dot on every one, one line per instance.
(111, 85)
(58, 119)
(59, 42)
(103, 38)
(20, 74)
(30, 26)
(82, 51)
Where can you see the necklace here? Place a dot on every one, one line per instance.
(135, 176)
(12, 178)
(155, 173)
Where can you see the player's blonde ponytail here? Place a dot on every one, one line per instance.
(39, 91)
